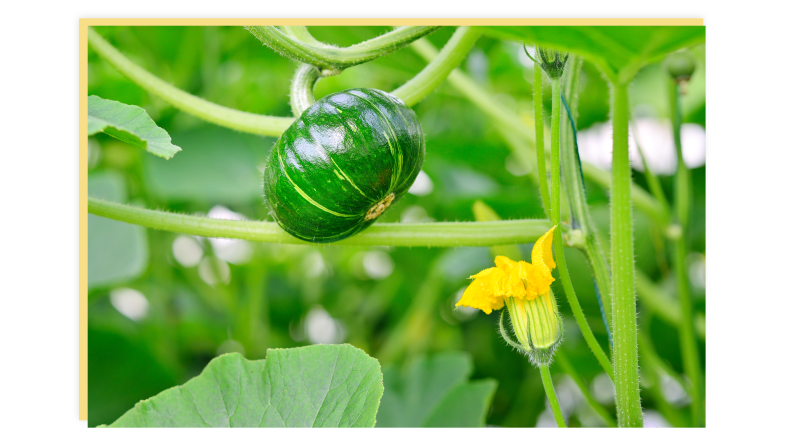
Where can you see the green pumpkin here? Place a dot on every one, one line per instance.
(342, 163)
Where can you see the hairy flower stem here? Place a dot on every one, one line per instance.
(625, 324)
(687, 338)
(547, 381)
(558, 244)
(539, 126)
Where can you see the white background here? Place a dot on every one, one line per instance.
(748, 196)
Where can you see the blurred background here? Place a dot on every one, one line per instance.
(162, 305)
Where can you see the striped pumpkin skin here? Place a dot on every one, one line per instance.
(343, 162)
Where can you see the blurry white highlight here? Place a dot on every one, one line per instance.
(422, 186)
(673, 392)
(378, 264)
(314, 265)
(209, 272)
(602, 389)
(321, 328)
(131, 303)
(654, 419)
(187, 251)
(233, 251)
(657, 142)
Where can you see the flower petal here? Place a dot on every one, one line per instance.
(513, 285)
(486, 291)
(537, 280)
(542, 253)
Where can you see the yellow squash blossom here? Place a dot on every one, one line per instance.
(524, 288)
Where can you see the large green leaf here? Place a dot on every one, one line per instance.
(435, 392)
(117, 251)
(619, 50)
(130, 124)
(315, 386)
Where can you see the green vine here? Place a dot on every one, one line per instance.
(383, 234)
(555, 197)
(201, 108)
(573, 180)
(302, 85)
(439, 67)
(625, 327)
(295, 45)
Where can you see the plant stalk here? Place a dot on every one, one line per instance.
(625, 324)
(325, 56)
(558, 245)
(687, 338)
(301, 33)
(547, 381)
(576, 189)
(440, 66)
(541, 164)
(302, 86)
(443, 234)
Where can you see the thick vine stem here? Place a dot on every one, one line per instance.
(302, 85)
(208, 111)
(326, 56)
(438, 69)
(558, 245)
(445, 234)
(625, 323)
(301, 33)
(547, 381)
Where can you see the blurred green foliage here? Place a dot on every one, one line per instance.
(205, 297)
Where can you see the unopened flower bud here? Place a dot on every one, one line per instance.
(681, 65)
(552, 62)
(537, 326)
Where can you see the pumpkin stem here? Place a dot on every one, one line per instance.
(302, 96)
(380, 207)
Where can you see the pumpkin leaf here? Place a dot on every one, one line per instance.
(435, 392)
(314, 386)
(620, 51)
(130, 124)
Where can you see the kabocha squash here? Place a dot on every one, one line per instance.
(342, 163)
